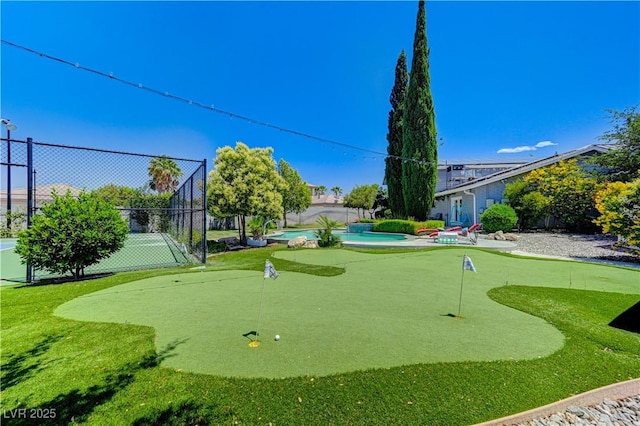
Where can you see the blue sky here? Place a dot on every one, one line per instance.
(504, 75)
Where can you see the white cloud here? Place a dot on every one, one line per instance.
(516, 149)
(525, 148)
(545, 143)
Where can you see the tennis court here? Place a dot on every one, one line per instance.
(140, 251)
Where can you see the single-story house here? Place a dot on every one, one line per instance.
(463, 204)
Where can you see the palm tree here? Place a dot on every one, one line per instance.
(164, 173)
(337, 191)
(320, 190)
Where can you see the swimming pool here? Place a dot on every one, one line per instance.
(373, 237)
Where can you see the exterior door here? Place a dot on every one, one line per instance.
(456, 211)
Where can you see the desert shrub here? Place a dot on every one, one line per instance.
(325, 235)
(498, 217)
(72, 233)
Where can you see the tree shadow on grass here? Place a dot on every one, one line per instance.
(76, 405)
(22, 366)
(187, 413)
(629, 320)
(63, 280)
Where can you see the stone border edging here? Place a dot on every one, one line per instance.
(615, 391)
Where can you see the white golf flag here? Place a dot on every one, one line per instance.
(270, 270)
(467, 264)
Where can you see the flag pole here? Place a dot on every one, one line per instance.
(461, 285)
(260, 310)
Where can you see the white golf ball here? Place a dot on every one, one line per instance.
(277, 337)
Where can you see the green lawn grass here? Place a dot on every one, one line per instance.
(105, 373)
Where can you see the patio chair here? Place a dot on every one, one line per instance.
(471, 233)
(433, 233)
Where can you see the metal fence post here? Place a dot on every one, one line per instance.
(30, 190)
(8, 179)
(191, 213)
(204, 211)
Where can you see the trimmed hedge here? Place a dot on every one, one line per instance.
(406, 226)
(499, 217)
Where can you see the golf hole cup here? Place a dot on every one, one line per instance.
(277, 337)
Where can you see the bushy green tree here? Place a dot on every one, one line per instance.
(72, 233)
(619, 207)
(570, 191)
(245, 182)
(529, 205)
(16, 219)
(361, 197)
(296, 198)
(150, 211)
(393, 162)
(623, 162)
(119, 196)
(498, 217)
(420, 148)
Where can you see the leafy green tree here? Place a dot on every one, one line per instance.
(623, 162)
(529, 205)
(72, 233)
(120, 196)
(296, 198)
(245, 182)
(393, 162)
(150, 211)
(16, 219)
(420, 147)
(164, 173)
(619, 207)
(361, 197)
(570, 191)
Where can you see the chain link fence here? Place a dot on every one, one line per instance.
(162, 199)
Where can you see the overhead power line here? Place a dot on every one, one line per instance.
(209, 107)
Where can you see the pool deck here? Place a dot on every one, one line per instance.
(425, 242)
(418, 242)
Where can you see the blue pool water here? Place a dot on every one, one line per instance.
(374, 237)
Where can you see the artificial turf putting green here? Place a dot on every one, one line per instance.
(387, 310)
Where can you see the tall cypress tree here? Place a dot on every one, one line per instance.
(393, 169)
(420, 147)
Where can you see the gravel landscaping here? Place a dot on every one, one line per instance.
(578, 246)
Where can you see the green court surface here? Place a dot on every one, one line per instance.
(10, 266)
(386, 310)
(140, 251)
